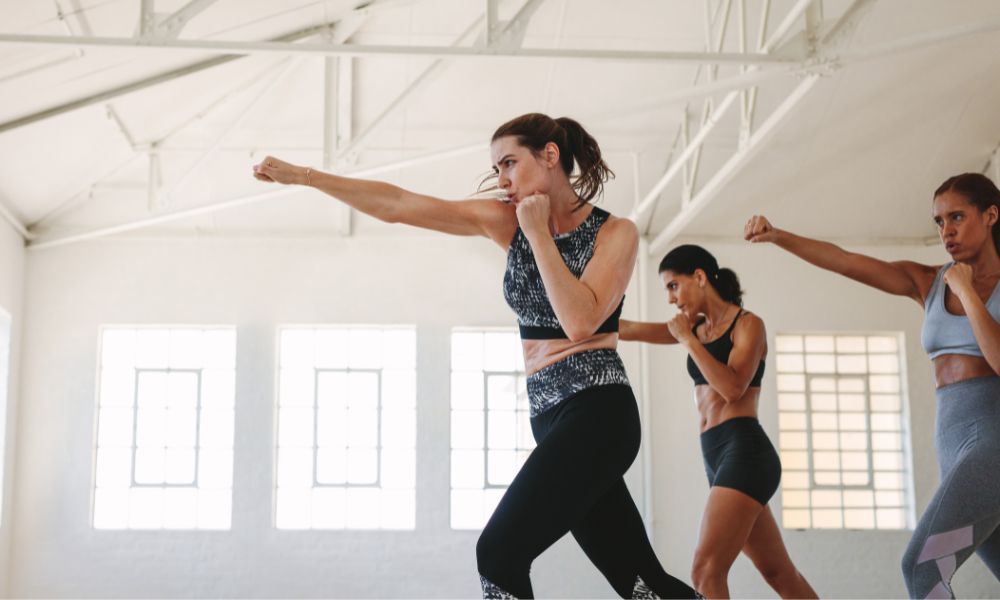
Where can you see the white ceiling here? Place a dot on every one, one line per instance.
(857, 156)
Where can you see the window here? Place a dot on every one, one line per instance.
(347, 428)
(5, 334)
(490, 427)
(843, 438)
(165, 428)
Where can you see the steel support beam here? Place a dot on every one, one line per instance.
(172, 26)
(42, 243)
(313, 49)
(148, 82)
(732, 167)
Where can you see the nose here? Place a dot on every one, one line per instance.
(503, 181)
(672, 298)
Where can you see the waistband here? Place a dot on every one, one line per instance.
(968, 399)
(556, 382)
(726, 430)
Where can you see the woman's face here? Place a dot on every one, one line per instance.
(519, 171)
(685, 291)
(962, 226)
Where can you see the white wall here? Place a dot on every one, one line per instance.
(12, 257)
(434, 282)
(791, 295)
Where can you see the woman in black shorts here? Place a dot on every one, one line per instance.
(726, 346)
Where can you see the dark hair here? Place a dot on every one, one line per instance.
(979, 190)
(534, 130)
(688, 258)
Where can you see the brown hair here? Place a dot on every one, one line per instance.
(979, 190)
(534, 130)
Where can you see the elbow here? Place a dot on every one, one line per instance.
(732, 393)
(580, 331)
(578, 334)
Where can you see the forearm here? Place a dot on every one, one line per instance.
(574, 303)
(985, 329)
(375, 198)
(644, 331)
(721, 377)
(822, 254)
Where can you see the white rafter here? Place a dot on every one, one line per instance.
(312, 49)
(688, 161)
(733, 166)
(171, 27)
(42, 242)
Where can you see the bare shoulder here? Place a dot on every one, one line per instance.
(621, 229)
(921, 274)
(498, 219)
(750, 325)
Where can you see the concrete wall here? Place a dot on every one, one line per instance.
(435, 283)
(12, 258)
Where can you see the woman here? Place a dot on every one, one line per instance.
(568, 264)
(961, 334)
(726, 347)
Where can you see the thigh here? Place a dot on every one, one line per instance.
(581, 456)
(962, 517)
(764, 547)
(729, 518)
(613, 536)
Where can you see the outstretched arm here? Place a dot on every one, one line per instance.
(901, 278)
(393, 204)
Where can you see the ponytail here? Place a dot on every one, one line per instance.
(535, 130)
(688, 258)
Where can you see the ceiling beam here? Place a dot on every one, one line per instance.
(732, 167)
(316, 49)
(171, 27)
(41, 242)
(147, 82)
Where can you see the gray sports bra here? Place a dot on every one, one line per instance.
(946, 333)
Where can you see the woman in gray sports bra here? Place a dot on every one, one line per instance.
(961, 334)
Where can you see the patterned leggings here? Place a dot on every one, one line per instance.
(964, 515)
(572, 482)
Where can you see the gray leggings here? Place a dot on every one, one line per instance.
(964, 515)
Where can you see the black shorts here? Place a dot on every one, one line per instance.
(738, 455)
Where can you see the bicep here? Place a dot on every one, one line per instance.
(900, 278)
(749, 345)
(488, 218)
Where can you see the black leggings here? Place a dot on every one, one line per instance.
(572, 481)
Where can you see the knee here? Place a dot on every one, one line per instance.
(495, 554)
(778, 576)
(488, 558)
(707, 568)
(909, 561)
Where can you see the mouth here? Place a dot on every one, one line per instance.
(951, 247)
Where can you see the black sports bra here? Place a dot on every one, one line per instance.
(524, 289)
(720, 349)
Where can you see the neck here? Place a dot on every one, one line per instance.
(986, 263)
(716, 310)
(562, 217)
